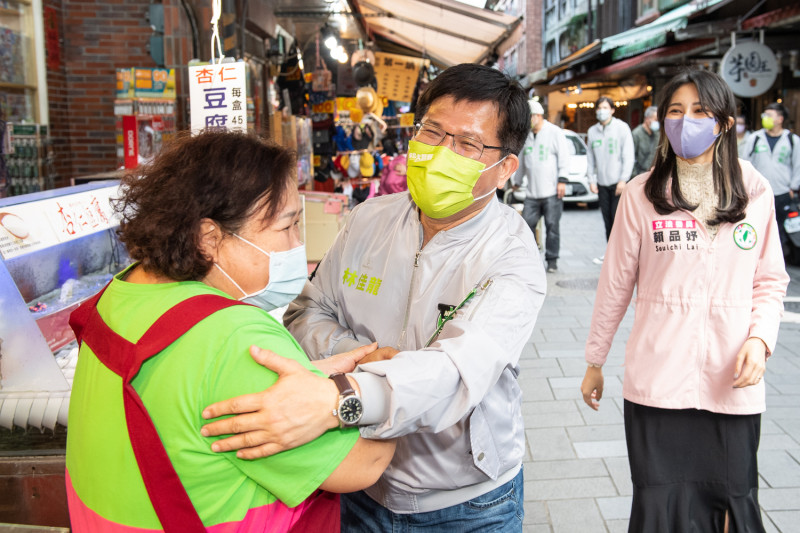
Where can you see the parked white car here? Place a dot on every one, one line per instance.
(578, 185)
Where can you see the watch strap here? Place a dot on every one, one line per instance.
(343, 384)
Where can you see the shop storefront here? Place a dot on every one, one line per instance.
(25, 154)
(632, 66)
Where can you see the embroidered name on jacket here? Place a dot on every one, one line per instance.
(362, 282)
(674, 235)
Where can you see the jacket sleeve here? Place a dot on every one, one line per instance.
(636, 147)
(748, 147)
(563, 155)
(591, 163)
(431, 389)
(313, 317)
(519, 174)
(769, 284)
(618, 277)
(794, 183)
(627, 154)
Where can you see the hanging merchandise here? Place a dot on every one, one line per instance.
(218, 90)
(322, 81)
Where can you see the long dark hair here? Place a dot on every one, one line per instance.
(715, 97)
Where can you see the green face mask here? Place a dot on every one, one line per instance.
(440, 181)
(767, 121)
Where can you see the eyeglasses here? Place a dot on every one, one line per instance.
(466, 146)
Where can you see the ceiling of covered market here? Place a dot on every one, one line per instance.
(446, 31)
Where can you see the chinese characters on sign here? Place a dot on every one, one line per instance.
(218, 97)
(749, 68)
(369, 284)
(25, 228)
(397, 75)
(671, 234)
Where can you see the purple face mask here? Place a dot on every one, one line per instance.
(690, 137)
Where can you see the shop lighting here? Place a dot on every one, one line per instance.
(331, 42)
(649, 88)
(572, 106)
(338, 53)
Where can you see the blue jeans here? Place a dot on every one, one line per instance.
(499, 510)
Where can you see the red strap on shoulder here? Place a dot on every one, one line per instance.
(80, 316)
(167, 494)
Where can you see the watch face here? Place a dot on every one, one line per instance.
(350, 410)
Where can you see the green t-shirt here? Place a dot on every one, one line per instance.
(208, 364)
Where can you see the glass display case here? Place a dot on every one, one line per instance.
(58, 248)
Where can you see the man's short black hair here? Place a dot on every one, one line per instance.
(780, 108)
(479, 83)
(606, 99)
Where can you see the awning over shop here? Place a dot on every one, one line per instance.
(448, 32)
(653, 35)
(661, 55)
(773, 19)
(585, 53)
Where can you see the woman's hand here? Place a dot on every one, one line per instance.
(346, 361)
(751, 363)
(592, 386)
(381, 354)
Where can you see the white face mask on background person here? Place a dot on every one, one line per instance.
(603, 114)
(288, 272)
(655, 126)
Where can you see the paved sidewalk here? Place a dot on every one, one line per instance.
(576, 471)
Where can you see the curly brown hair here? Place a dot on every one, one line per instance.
(225, 177)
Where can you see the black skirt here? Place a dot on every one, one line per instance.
(689, 467)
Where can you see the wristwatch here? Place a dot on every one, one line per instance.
(349, 408)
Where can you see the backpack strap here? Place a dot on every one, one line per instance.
(164, 488)
(755, 142)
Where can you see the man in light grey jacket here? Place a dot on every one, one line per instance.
(610, 159)
(544, 164)
(775, 152)
(449, 282)
(645, 142)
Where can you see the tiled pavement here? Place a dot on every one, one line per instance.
(576, 471)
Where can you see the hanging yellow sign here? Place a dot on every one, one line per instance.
(397, 75)
(325, 107)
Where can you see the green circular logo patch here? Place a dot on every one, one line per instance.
(744, 235)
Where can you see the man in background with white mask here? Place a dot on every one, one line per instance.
(609, 158)
(544, 163)
(645, 141)
(775, 152)
(449, 282)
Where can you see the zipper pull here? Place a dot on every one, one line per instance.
(416, 258)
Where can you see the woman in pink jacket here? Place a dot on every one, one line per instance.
(697, 238)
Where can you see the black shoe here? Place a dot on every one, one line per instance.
(551, 266)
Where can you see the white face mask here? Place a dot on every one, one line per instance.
(603, 114)
(654, 125)
(288, 271)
